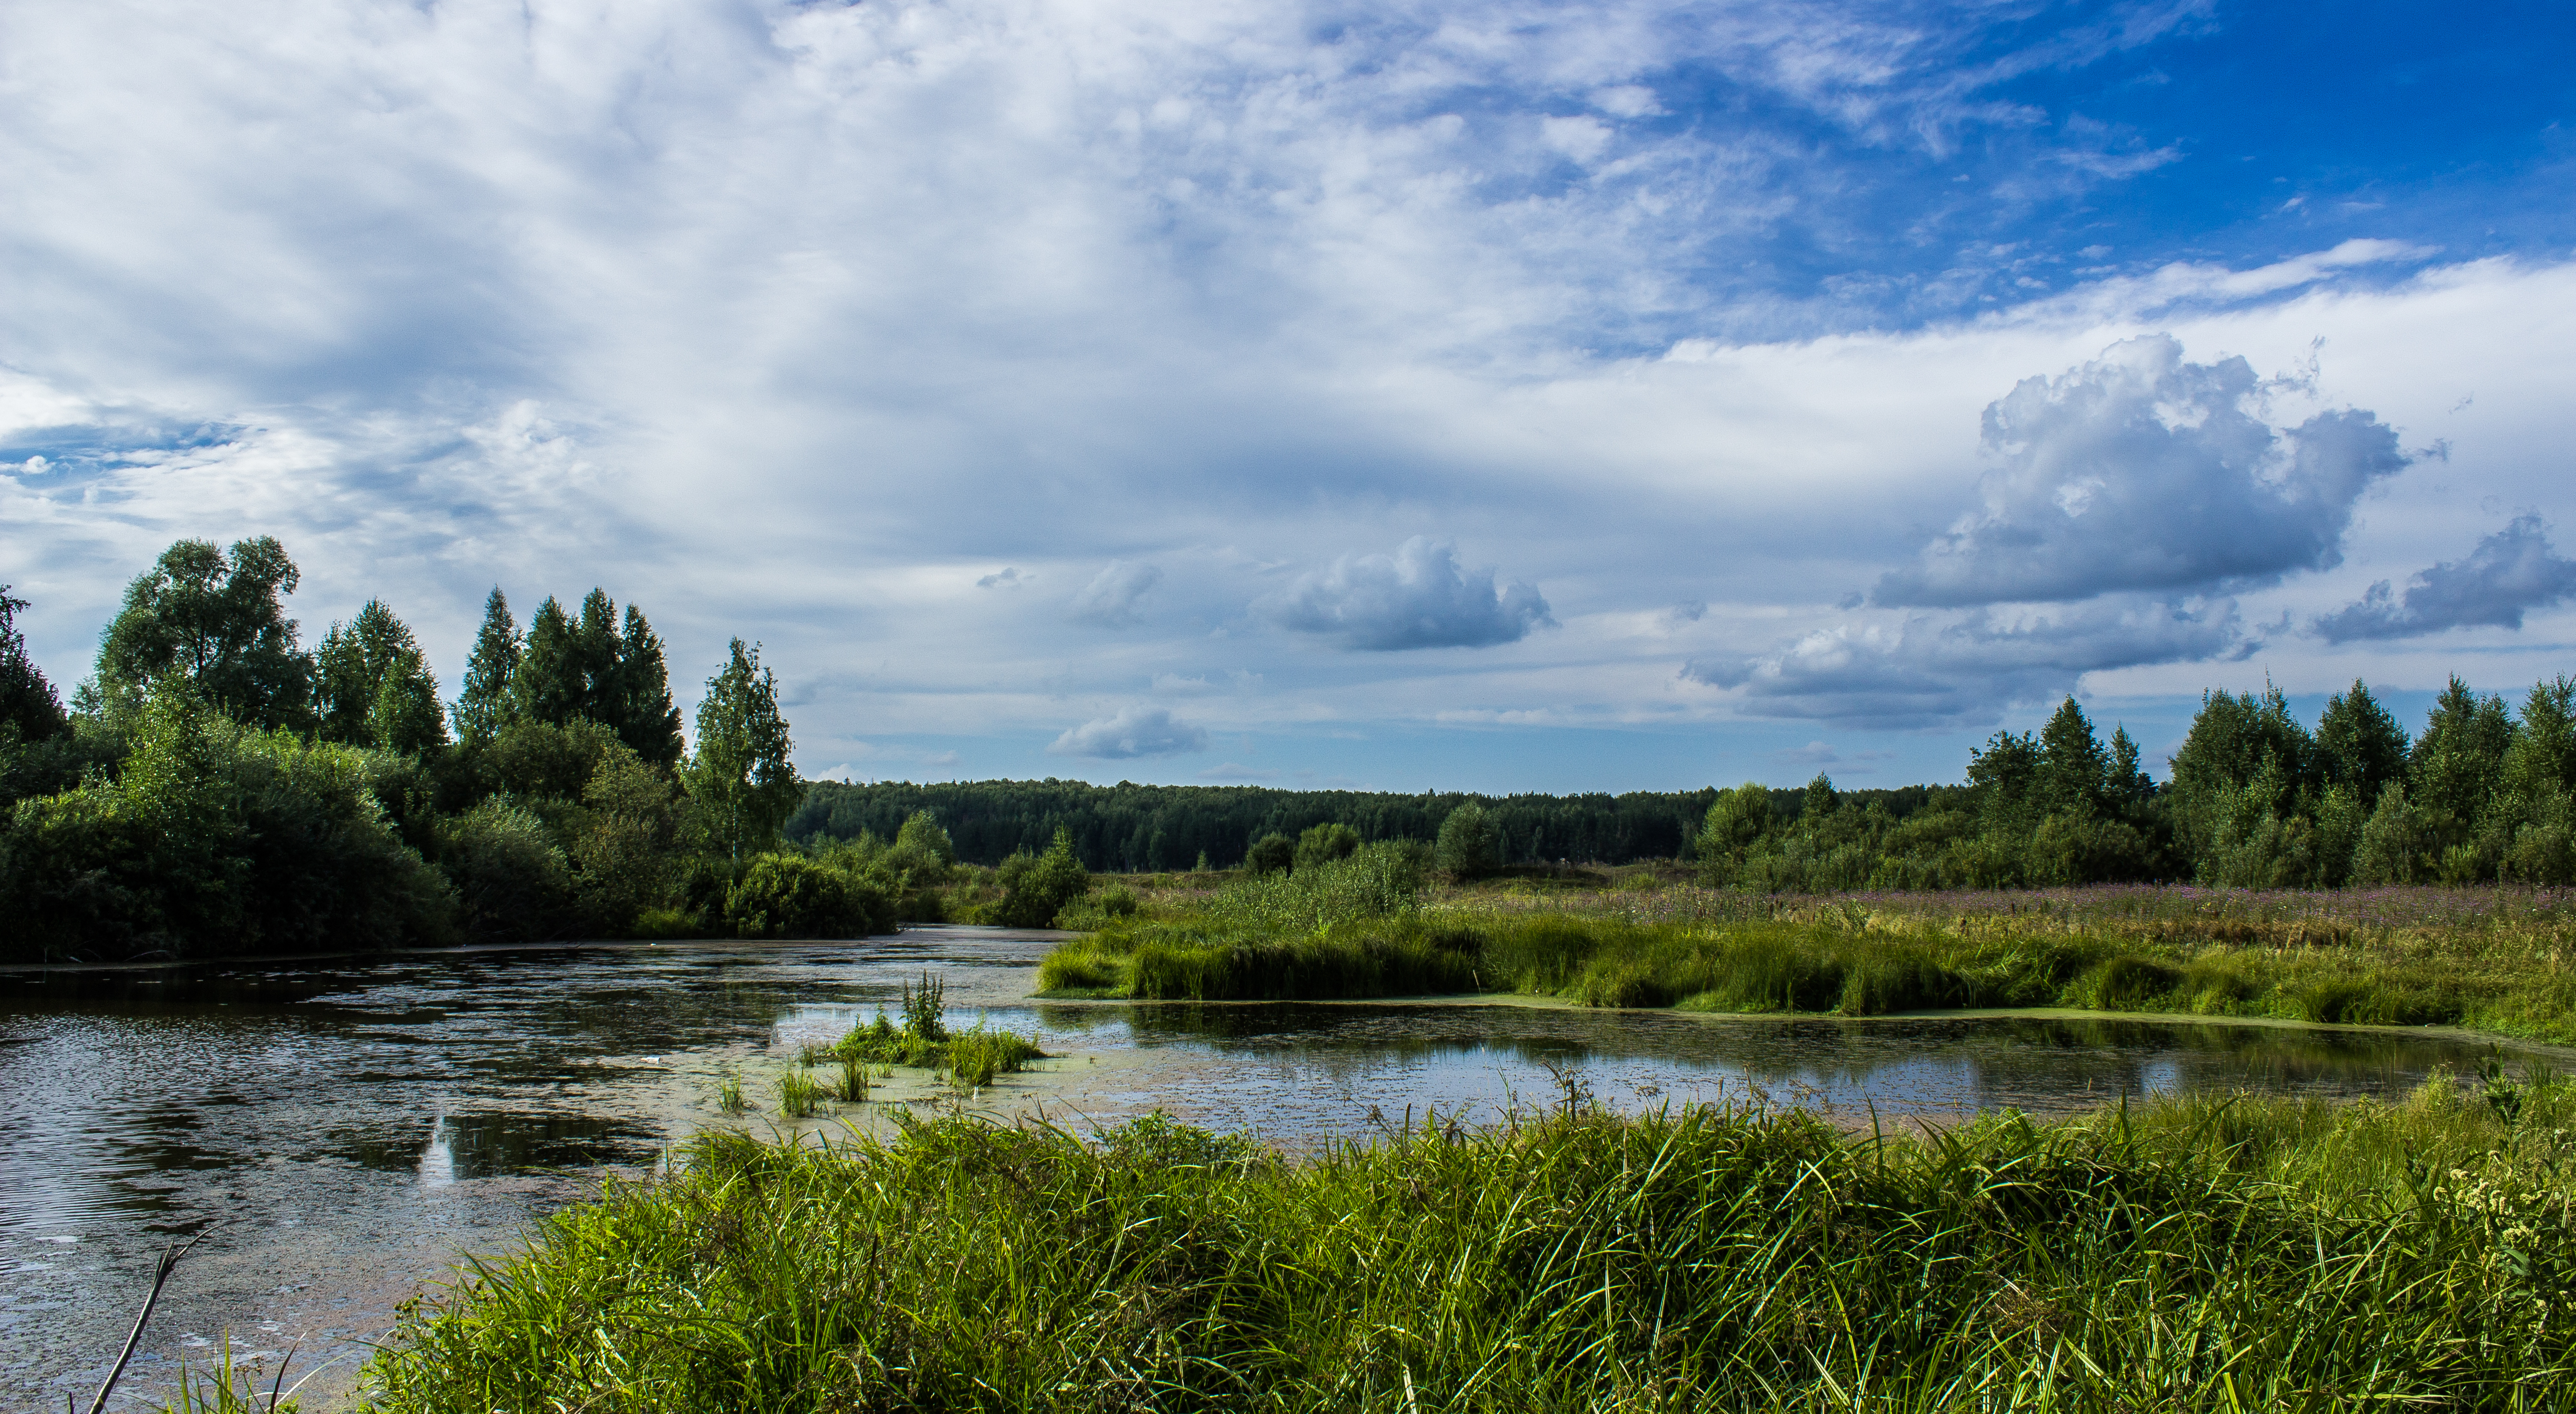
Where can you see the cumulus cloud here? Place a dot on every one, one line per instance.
(1415, 598)
(2509, 572)
(1963, 670)
(1112, 597)
(1135, 731)
(2141, 471)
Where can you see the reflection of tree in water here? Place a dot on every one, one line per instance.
(1986, 1060)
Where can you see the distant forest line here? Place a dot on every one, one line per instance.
(1128, 828)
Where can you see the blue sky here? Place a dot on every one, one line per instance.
(1612, 395)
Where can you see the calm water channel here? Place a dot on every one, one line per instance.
(351, 1128)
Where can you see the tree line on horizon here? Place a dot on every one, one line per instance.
(216, 788)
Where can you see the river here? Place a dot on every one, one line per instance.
(350, 1127)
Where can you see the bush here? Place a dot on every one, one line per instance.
(1036, 888)
(1324, 844)
(1270, 854)
(790, 896)
(512, 881)
(1468, 847)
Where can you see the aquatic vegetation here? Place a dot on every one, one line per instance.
(729, 1096)
(971, 1057)
(799, 1094)
(851, 1086)
(2204, 1255)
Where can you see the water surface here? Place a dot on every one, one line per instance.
(352, 1127)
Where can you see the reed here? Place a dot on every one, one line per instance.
(852, 1086)
(799, 1094)
(729, 1097)
(2202, 1255)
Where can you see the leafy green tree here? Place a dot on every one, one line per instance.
(922, 837)
(2359, 745)
(28, 704)
(486, 705)
(2239, 743)
(1322, 844)
(373, 685)
(2004, 776)
(1468, 847)
(215, 622)
(741, 779)
(1036, 888)
(2543, 754)
(1736, 822)
(2452, 775)
(1271, 854)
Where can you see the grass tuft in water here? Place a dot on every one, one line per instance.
(729, 1096)
(799, 1094)
(853, 1081)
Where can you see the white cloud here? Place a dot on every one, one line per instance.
(1415, 598)
(1112, 597)
(1135, 731)
(2142, 471)
(1964, 670)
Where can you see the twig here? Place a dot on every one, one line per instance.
(160, 1277)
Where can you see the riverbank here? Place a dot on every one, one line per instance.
(2203, 1253)
(2496, 962)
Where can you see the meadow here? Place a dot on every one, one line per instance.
(2492, 959)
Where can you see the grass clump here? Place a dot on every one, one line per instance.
(971, 1057)
(799, 1094)
(729, 1096)
(2196, 1255)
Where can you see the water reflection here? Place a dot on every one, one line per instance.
(354, 1126)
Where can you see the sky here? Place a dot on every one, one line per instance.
(1594, 395)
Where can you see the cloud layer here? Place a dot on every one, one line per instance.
(1133, 732)
(1417, 597)
(2509, 574)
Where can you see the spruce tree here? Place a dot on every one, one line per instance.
(373, 685)
(2073, 768)
(646, 721)
(549, 685)
(28, 703)
(486, 705)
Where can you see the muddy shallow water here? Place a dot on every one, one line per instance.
(353, 1127)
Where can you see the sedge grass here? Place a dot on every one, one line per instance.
(799, 1094)
(2202, 1255)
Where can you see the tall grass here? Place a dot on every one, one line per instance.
(799, 1094)
(2195, 1256)
(1843, 956)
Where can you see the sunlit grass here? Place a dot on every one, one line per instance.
(2199, 1255)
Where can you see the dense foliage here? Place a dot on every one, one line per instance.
(2256, 800)
(2215, 1255)
(221, 791)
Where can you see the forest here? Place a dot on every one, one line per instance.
(217, 788)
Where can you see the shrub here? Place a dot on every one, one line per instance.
(1270, 854)
(789, 896)
(1468, 847)
(1325, 844)
(1035, 889)
(512, 883)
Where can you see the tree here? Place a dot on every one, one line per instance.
(1271, 854)
(744, 785)
(1468, 847)
(27, 702)
(2005, 776)
(2240, 743)
(1035, 889)
(214, 622)
(2074, 770)
(374, 686)
(550, 684)
(1322, 844)
(485, 705)
(2359, 745)
(642, 712)
(2458, 761)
